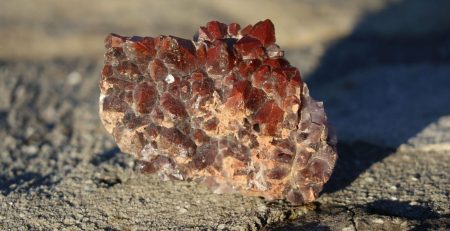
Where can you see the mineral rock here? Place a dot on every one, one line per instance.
(225, 109)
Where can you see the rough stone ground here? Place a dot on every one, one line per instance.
(385, 88)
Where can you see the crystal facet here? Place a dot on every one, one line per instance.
(225, 109)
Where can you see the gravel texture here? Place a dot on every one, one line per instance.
(60, 170)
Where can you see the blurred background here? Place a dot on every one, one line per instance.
(382, 68)
(327, 40)
(49, 29)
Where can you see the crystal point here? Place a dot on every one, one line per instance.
(225, 109)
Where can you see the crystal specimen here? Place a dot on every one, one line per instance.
(225, 109)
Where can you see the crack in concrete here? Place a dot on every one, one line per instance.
(352, 219)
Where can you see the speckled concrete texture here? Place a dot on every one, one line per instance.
(384, 83)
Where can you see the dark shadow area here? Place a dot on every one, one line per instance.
(361, 51)
(402, 33)
(350, 163)
(104, 177)
(3, 116)
(327, 217)
(112, 156)
(424, 217)
(384, 83)
(401, 209)
(106, 181)
(24, 182)
(307, 226)
(337, 217)
(105, 156)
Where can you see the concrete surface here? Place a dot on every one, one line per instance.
(385, 88)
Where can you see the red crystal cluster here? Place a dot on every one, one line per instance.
(225, 109)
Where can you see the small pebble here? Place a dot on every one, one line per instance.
(413, 203)
(30, 149)
(74, 78)
(378, 221)
(182, 210)
(349, 228)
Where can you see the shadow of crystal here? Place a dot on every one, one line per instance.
(383, 86)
